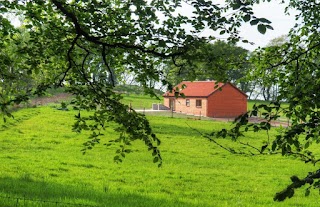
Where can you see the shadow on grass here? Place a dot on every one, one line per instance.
(42, 193)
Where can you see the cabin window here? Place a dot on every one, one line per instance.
(199, 103)
(187, 102)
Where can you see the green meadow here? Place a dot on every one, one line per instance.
(41, 160)
(138, 101)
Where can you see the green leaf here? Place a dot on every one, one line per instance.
(254, 113)
(254, 22)
(28, 26)
(236, 5)
(246, 18)
(156, 159)
(154, 153)
(264, 20)
(263, 148)
(116, 158)
(269, 27)
(306, 145)
(262, 28)
(307, 193)
(274, 146)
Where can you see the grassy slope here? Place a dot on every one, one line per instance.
(141, 101)
(41, 159)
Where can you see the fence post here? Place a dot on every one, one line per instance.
(171, 112)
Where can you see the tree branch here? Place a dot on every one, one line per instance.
(73, 43)
(107, 65)
(288, 192)
(97, 40)
(287, 62)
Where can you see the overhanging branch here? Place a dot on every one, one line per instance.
(73, 43)
(97, 39)
(107, 65)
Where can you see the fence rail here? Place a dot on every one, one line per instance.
(9, 201)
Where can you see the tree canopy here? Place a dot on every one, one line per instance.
(85, 45)
(220, 60)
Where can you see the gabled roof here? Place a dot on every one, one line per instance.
(198, 88)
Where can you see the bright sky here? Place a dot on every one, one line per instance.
(280, 22)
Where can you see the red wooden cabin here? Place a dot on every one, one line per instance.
(207, 98)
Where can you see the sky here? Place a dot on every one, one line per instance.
(280, 22)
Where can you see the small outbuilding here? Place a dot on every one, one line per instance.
(207, 98)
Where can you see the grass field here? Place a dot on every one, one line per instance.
(41, 160)
(141, 101)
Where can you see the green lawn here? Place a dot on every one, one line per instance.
(41, 160)
(141, 101)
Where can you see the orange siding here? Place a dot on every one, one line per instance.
(181, 106)
(228, 102)
(166, 102)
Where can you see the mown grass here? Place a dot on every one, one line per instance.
(41, 159)
(138, 101)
